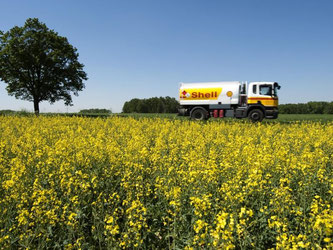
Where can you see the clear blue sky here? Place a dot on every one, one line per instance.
(145, 48)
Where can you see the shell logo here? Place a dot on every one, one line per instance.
(185, 94)
(229, 93)
(200, 93)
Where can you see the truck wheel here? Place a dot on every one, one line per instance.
(199, 114)
(256, 115)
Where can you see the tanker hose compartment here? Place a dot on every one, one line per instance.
(182, 111)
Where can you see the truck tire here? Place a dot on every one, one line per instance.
(256, 115)
(199, 114)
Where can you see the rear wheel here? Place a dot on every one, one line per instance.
(199, 114)
(256, 115)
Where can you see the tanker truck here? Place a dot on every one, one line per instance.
(254, 100)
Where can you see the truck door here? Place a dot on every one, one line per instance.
(261, 93)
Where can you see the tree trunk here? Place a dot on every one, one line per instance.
(36, 107)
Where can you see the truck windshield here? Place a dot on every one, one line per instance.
(265, 90)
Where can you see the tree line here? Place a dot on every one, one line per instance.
(307, 108)
(151, 105)
(95, 111)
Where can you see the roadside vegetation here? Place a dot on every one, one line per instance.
(108, 113)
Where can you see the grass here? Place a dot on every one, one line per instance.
(281, 118)
(305, 117)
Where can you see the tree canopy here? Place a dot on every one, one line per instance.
(151, 105)
(39, 65)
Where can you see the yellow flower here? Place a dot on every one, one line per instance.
(125, 183)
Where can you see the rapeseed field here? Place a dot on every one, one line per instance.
(72, 183)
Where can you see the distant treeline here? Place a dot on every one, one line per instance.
(170, 105)
(307, 108)
(84, 112)
(151, 105)
(95, 111)
(13, 112)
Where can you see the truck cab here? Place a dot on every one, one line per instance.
(263, 95)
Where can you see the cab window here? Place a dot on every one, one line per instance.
(254, 89)
(265, 90)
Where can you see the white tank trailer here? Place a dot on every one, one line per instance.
(255, 100)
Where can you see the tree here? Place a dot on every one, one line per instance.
(39, 65)
(126, 107)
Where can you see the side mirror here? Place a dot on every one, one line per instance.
(277, 85)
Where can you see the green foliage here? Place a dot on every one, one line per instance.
(151, 105)
(7, 112)
(283, 118)
(95, 111)
(307, 108)
(22, 112)
(39, 65)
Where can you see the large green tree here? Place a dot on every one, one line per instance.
(39, 65)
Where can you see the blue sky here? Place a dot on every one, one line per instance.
(145, 48)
